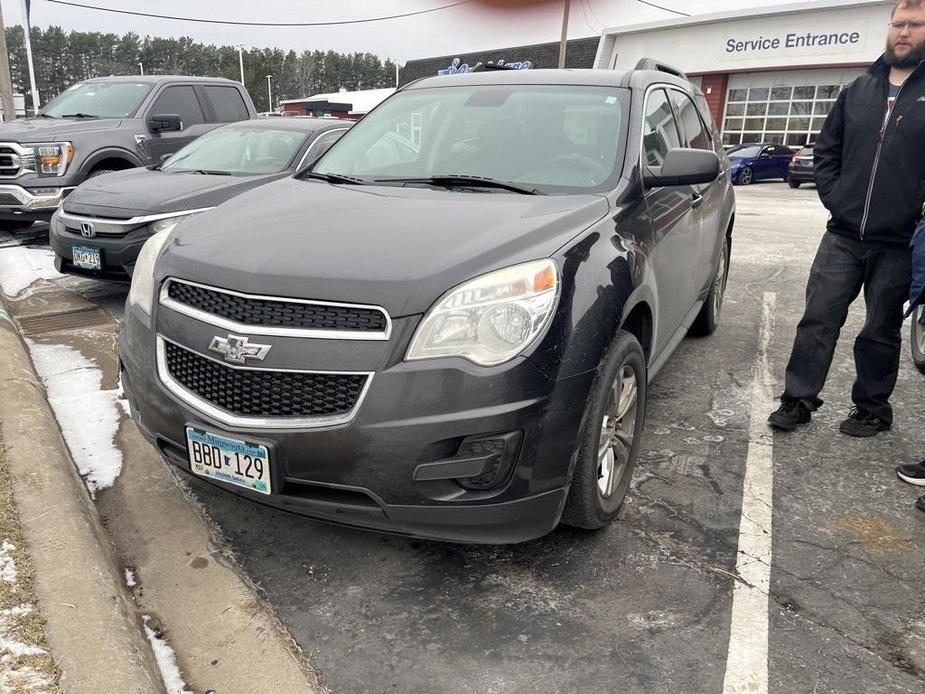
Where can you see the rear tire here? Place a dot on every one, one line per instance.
(794, 184)
(917, 338)
(610, 439)
(14, 224)
(746, 176)
(706, 321)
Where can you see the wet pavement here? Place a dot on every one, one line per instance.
(645, 605)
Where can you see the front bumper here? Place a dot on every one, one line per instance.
(118, 253)
(17, 202)
(802, 174)
(366, 472)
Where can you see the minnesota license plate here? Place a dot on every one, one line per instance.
(86, 257)
(229, 460)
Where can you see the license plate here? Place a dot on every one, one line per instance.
(229, 460)
(86, 257)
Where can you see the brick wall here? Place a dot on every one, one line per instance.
(714, 90)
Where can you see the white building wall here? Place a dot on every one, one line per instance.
(824, 32)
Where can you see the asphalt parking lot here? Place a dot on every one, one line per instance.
(647, 605)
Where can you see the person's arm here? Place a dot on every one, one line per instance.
(827, 154)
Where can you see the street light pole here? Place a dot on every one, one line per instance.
(564, 39)
(240, 48)
(26, 35)
(141, 69)
(269, 93)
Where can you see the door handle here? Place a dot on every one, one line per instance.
(696, 200)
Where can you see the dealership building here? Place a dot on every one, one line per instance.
(769, 74)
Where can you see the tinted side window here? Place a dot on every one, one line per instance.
(660, 132)
(690, 121)
(181, 101)
(227, 103)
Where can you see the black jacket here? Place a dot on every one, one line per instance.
(869, 176)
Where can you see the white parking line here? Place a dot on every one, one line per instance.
(747, 659)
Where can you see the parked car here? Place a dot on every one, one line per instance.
(759, 162)
(917, 338)
(453, 345)
(104, 223)
(801, 169)
(103, 125)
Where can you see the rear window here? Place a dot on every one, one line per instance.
(227, 103)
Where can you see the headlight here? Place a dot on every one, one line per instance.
(56, 224)
(141, 293)
(52, 159)
(169, 224)
(491, 319)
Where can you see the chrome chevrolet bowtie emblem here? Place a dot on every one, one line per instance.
(237, 349)
(86, 229)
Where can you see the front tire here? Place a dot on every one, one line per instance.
(917, 338)
(100, 172)
(708, 319)
(14, 224)
(610, 439)
(794, 184)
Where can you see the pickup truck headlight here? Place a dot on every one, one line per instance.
(141, 293)
(52, 159)
(491, 319)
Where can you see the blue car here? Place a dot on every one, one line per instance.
(759, 162)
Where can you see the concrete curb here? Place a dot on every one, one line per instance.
(92, 626)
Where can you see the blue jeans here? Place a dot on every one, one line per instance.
(843, 266)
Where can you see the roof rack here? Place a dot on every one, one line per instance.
(652, 64)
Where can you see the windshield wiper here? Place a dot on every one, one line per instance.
(45, 115)
(79, 115)
(207, 172)
(459, 180)
(332, 177)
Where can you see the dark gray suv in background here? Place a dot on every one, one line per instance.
(102, 125)
(450, 339)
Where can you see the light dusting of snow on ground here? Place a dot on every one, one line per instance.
(130, 578)
(7, 564)
(20, 267)
(166, 661)
(89, 417)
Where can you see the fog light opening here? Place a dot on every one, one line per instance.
(500, 452)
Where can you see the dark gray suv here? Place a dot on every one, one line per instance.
(447, 326)
(102, 125)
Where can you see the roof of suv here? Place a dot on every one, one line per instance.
(588, 78)
(298, 124)
(160, 78)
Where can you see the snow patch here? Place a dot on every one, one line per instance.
(130, 578)
(7, 563)
(22, 267)
(166, 661)
(17, 611)
(89, 417)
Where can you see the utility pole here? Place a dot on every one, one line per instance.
(564, 39)
(141, 69)
(240, 48)
(27, 35)
(269, 94)
(6, 83)
(396, 74)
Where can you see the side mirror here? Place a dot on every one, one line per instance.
(683, 167)
(165, 123)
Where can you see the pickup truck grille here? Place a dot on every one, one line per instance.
(260, 393)
(10, 162)
(278, 313)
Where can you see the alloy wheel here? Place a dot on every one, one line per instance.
(918, 330)
(617, 430)
(719, 283)
(745, 178)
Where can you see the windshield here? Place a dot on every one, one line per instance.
(746, 151)
(554, 138)
(239, 150)
(99, 99)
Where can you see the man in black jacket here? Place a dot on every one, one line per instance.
(870, 165)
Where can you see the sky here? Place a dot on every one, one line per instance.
(468, 27)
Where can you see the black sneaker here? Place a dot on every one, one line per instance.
(913, 474)
(791, 414)
(863, 424)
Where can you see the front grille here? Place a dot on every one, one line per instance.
(252, 393)
(278, 313)
(9, 162)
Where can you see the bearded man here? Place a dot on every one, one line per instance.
(870, 168)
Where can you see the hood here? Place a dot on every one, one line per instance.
(143, 191)
(49, 129)
(400, 248)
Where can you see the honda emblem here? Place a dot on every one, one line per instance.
(86, 229)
